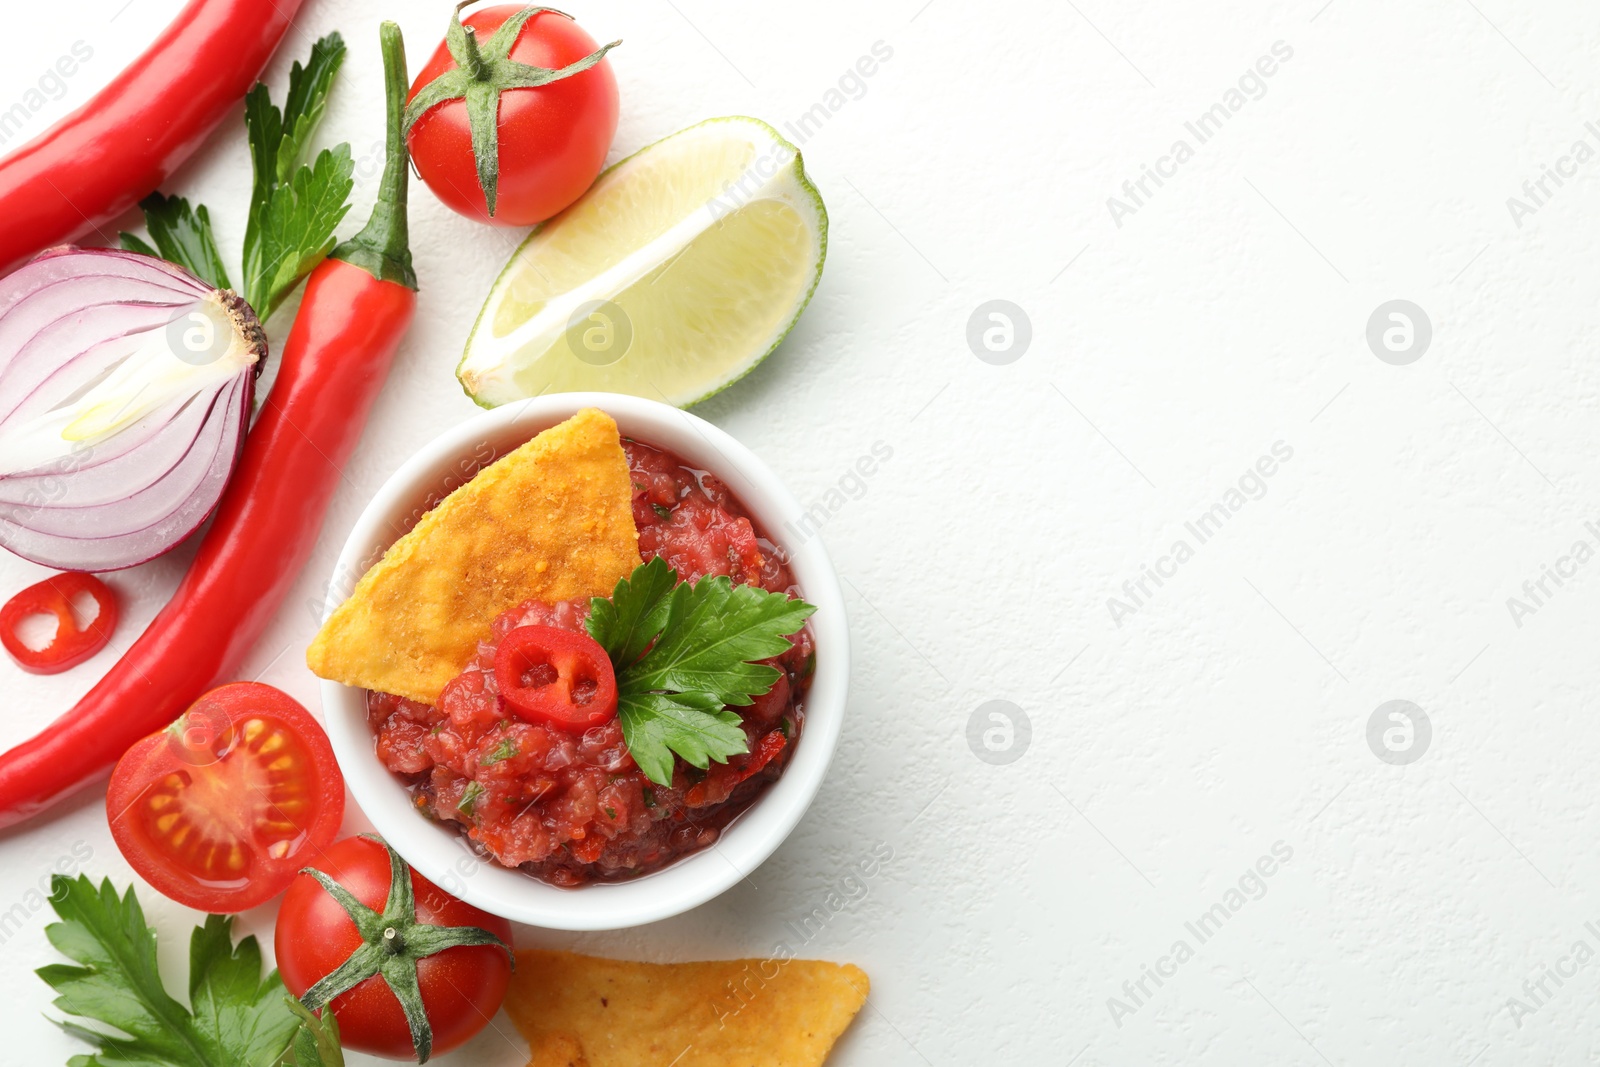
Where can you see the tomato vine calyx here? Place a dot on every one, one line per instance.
(392, 944)
(482, 73)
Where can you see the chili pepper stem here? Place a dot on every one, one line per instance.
(383, 247)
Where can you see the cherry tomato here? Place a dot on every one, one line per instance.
(71, 644)
(462, 987)
(552, 138)
(555, 676)
(220, 810)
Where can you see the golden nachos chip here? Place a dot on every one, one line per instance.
(580, 1011)
(552, 520)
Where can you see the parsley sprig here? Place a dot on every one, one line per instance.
(296, 200)
(683, 653)
(294, 207)
(183, 236)
(235, 1018)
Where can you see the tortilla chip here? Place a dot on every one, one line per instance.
(579, 1011)
(552, 520)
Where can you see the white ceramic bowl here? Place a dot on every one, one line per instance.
(439, 851)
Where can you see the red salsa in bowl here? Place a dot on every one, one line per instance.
(573, 808)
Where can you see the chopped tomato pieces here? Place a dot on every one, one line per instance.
(571, 806)
(722, 779)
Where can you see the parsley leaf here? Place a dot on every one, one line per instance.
(316, 1043)
(694, 725)
(294, 207)
(237, 1018)
(636, 612)
(307, 100)
(684, 652)
(292, 230)
(182, 236)
(714, 631)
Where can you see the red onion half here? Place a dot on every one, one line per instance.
(125, 390)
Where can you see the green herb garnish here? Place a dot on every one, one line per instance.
(294, 207)
(294, 204)
(611, 813)
(682, 654)
(316, 1043)
(501, 752)
(235, 1017)
(182, 236)
(663, 512)
(469, 798)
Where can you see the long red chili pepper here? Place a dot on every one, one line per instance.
(358, 304)
(120, 146)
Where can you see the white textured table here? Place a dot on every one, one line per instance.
(1096, 893)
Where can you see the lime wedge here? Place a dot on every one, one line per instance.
(682, 268)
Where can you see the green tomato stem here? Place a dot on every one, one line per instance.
(470, 59)
(481, 74)
(392, 944)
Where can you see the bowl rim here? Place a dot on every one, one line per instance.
(440, 852)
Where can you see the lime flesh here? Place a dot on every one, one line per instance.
(680, 270)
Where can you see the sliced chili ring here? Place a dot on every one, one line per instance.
(554, 676)
(72, 644)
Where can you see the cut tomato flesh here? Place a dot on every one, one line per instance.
(217, 820)
(220, 810)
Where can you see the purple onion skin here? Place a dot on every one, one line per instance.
(56, 287)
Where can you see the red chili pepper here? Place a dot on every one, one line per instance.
(357, 306)
(555, 676)
(72, 644)
(132, 135)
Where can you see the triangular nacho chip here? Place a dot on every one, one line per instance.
(587, 1012)
(552, 520)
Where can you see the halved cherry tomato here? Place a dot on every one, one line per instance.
(220, 810)
(72, 644)
(554, 676)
